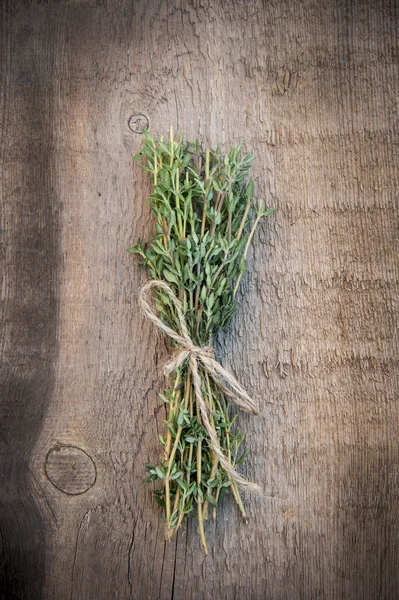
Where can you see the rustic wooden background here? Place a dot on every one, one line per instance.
(311, 87)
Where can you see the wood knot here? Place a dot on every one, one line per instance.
(138, 122)
(70, 469)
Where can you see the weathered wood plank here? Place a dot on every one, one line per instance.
(30, 256)
(311, 88)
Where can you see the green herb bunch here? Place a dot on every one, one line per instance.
(203, 204)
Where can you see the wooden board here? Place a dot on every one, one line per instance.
(311, 88)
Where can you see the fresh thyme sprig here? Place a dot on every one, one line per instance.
(202, 203)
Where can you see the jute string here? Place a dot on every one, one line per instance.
(205, 357)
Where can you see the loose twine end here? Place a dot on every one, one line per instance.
(206, 357)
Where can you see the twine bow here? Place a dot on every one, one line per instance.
(204, 356)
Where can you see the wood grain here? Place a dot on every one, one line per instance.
(311, 88)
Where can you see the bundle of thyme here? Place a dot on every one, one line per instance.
(202, 203)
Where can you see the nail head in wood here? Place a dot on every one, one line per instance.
(70, 469)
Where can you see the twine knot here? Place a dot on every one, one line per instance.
(188, 349)
(205, 356)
